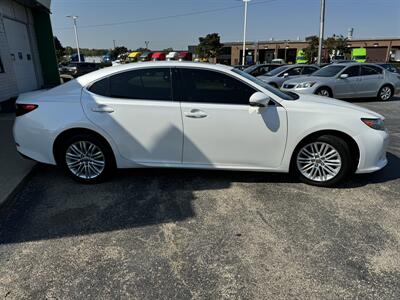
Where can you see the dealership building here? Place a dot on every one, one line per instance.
(378, 50)
(27, 56)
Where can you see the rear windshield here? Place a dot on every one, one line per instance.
(263, 84)
(328, 71)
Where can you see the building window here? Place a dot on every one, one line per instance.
(1, 66)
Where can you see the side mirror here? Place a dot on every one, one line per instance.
(259, 99)
(343, 76)
(285, 75)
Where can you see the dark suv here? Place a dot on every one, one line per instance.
(76, 69)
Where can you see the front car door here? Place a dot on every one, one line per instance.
(371, 78)
(136, 109)
(219, 130)
(348, 87)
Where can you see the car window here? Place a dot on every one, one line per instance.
(208, 86)
(276, 71)
(378, 69)
(101, 87)
(352, 71)
(152, 84)
(292, 72)
(309, 70)
(328, 71)
(368, 70)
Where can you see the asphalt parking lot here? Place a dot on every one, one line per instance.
(175, 234)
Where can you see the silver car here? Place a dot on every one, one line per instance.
(349, 80)
(279, 75)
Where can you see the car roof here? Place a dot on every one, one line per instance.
(88, 78)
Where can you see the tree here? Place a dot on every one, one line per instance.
(337, 45)
(209, 46)
(60, 50)
(117, 51)
(311, 51)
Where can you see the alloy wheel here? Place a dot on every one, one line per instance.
(85, 160)
(324, 93)
(319, 161)
(386, 93)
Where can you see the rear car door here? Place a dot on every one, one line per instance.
(348, 87)
(136, 109)
(371, 79)
(219, 131)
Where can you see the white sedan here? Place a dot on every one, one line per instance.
(193, 115)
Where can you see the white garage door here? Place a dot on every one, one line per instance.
(21, 55)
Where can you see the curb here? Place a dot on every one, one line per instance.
(10, 199)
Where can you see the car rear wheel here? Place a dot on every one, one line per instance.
(324, 161)
(324, 91)
(385, 93)
(87, 158)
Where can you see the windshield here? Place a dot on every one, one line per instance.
(280, 94)
(250, 69)
(328, 71)
(276, 71)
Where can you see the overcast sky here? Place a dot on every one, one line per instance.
(178, 23)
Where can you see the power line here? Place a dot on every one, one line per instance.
(168, 17)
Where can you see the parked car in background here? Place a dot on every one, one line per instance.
(172, 55)
(133, 56)
(351, 80)
(278, 61)
(260, 69)
(185, 56)
(279, 75)
(158, 56)
(76, 69)
(145, 56)
(141, 115)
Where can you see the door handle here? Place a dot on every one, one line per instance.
(103, 109)
(195, 113)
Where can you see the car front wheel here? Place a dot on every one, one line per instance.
(324, 161)
(87, 158)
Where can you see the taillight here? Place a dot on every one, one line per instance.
(22, 109)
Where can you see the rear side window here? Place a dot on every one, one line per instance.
(308, 70)
(352, 71)
(206, 86)
(146, 84)
(101, 87)
(370, 70)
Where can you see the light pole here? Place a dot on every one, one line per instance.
(321, 30)
(147, 44)
(244, 31)
(76, 36)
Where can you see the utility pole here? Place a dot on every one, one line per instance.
(76, 36)
(114, 43)
(244, 31)
(321, 31)
(147, 44)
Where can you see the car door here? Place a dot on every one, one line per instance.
(371, 79)
(137, 111)
(220, 132)
(348, 87)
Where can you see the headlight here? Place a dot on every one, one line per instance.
(304, 85)
(377, 124)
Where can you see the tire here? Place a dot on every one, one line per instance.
(385, 93)
(324, 91)
(323, 161)
(86, 158)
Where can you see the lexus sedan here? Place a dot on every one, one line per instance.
(349, 80)
(194, 115)
(278, 76)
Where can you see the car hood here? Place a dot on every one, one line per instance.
(329, 102)
(309, 78)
